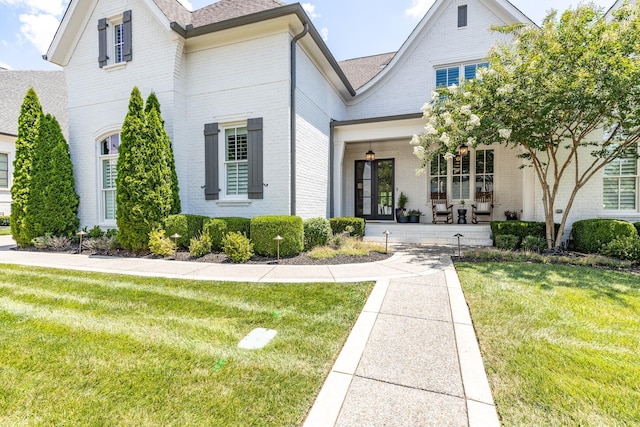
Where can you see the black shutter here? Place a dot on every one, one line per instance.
(126, 21)
(462, 16)
(254, 155)
(102, 42)
(211, 190)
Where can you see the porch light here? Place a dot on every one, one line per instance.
(463, 150)
(370, 156)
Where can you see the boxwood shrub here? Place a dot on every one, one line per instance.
(508, 242)
(238, 225)
(317, 232)
(186, 225)
(590, 235)
(637, 226)
(338, 225)
(265, 228)
(216, 229)
(521, 229)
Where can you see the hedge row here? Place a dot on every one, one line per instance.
(591, 235)
(520, 229)
(4, 220)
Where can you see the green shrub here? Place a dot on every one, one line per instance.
(338, 225)
(317, 232)
(112, 232)
(41, 242)
(237, 247)
(508, 242)
(96, 232)
(4, 220)
(637, 226)
(238, 225)
(265, 228)
(534, 244)
(200, 246)
(590, 235)
(186, 225)
(624, 248)
(215, 228)
(159, 244)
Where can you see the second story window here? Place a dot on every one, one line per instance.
(115, 40)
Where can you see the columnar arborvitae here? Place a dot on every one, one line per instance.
(143, 191)
(28, 127)
(53, 203)
(152, 102)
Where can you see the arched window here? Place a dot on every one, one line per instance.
(108, 172)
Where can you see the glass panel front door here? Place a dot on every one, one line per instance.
(375, 189)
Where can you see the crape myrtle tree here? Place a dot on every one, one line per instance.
(28, 127)
(143, 184)
(549, 93)
(152, 102)
(52, 206)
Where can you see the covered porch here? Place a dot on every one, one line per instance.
(434, 234)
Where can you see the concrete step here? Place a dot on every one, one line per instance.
(437, 234)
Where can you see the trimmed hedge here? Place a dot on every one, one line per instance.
(317, 232)
(238, 225)
(521, 229)
(265, 228)
(590, 235)
(338, 225)
(4, 221)
(637, 226)
(507, 242)
(186, 225)
(216, 229)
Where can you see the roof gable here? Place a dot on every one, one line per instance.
(360, 71)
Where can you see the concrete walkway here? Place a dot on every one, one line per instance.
(412, 359)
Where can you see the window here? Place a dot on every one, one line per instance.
(4, 170)
(451, 75)
(108, 165)
(236, 167)
(620, 186)
(462, 16)
(476, 167)
(114, 40)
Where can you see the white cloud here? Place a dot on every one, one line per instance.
(39, 30)
(311, 10)
(187, 4)
(325, 34)
(50, 7)
(419, 8)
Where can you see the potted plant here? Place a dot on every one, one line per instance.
(511, 215)
(414, 215)
(402, 204)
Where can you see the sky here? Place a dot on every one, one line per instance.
(351, 28)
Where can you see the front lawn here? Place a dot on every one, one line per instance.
(96, 349)
(561, 344)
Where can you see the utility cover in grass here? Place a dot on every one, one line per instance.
(257, 339)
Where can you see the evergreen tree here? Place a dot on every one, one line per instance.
(53, 203)
(152, 102)
(143, 190)
(28, 127)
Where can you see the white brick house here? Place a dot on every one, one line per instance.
(262, 118)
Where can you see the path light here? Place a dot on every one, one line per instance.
(458, 236)
(175, 238)
(386, 241)
(81, 233)
(278, 239)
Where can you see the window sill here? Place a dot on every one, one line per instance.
(117, 66)
(233, 203)
(620, 214)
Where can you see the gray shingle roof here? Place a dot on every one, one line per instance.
(360, 71)
(50, 87)
(216, 12)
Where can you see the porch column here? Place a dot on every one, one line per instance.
(338, 171)
(529, 188)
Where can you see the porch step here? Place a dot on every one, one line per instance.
(437, 234)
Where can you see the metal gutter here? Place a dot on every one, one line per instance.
(294, 79)
(410, 116)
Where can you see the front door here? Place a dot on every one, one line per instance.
(374, 189)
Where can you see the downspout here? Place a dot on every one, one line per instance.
(331, 170)
(292, 119)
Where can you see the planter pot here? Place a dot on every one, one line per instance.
(512, 218)
(399, 213)
(414, 218)
(403, 219)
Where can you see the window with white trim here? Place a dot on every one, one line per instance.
(477, 167)
(448, 76)
(4, 170)
(115, 40)
(108, 171)
(620, 182)
(236, 167)
(118, 42)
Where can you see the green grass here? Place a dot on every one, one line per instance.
(561, 344)
(5, 231)
(102, 350)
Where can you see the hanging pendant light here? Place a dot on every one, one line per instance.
(463, 150)
(370, 156)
